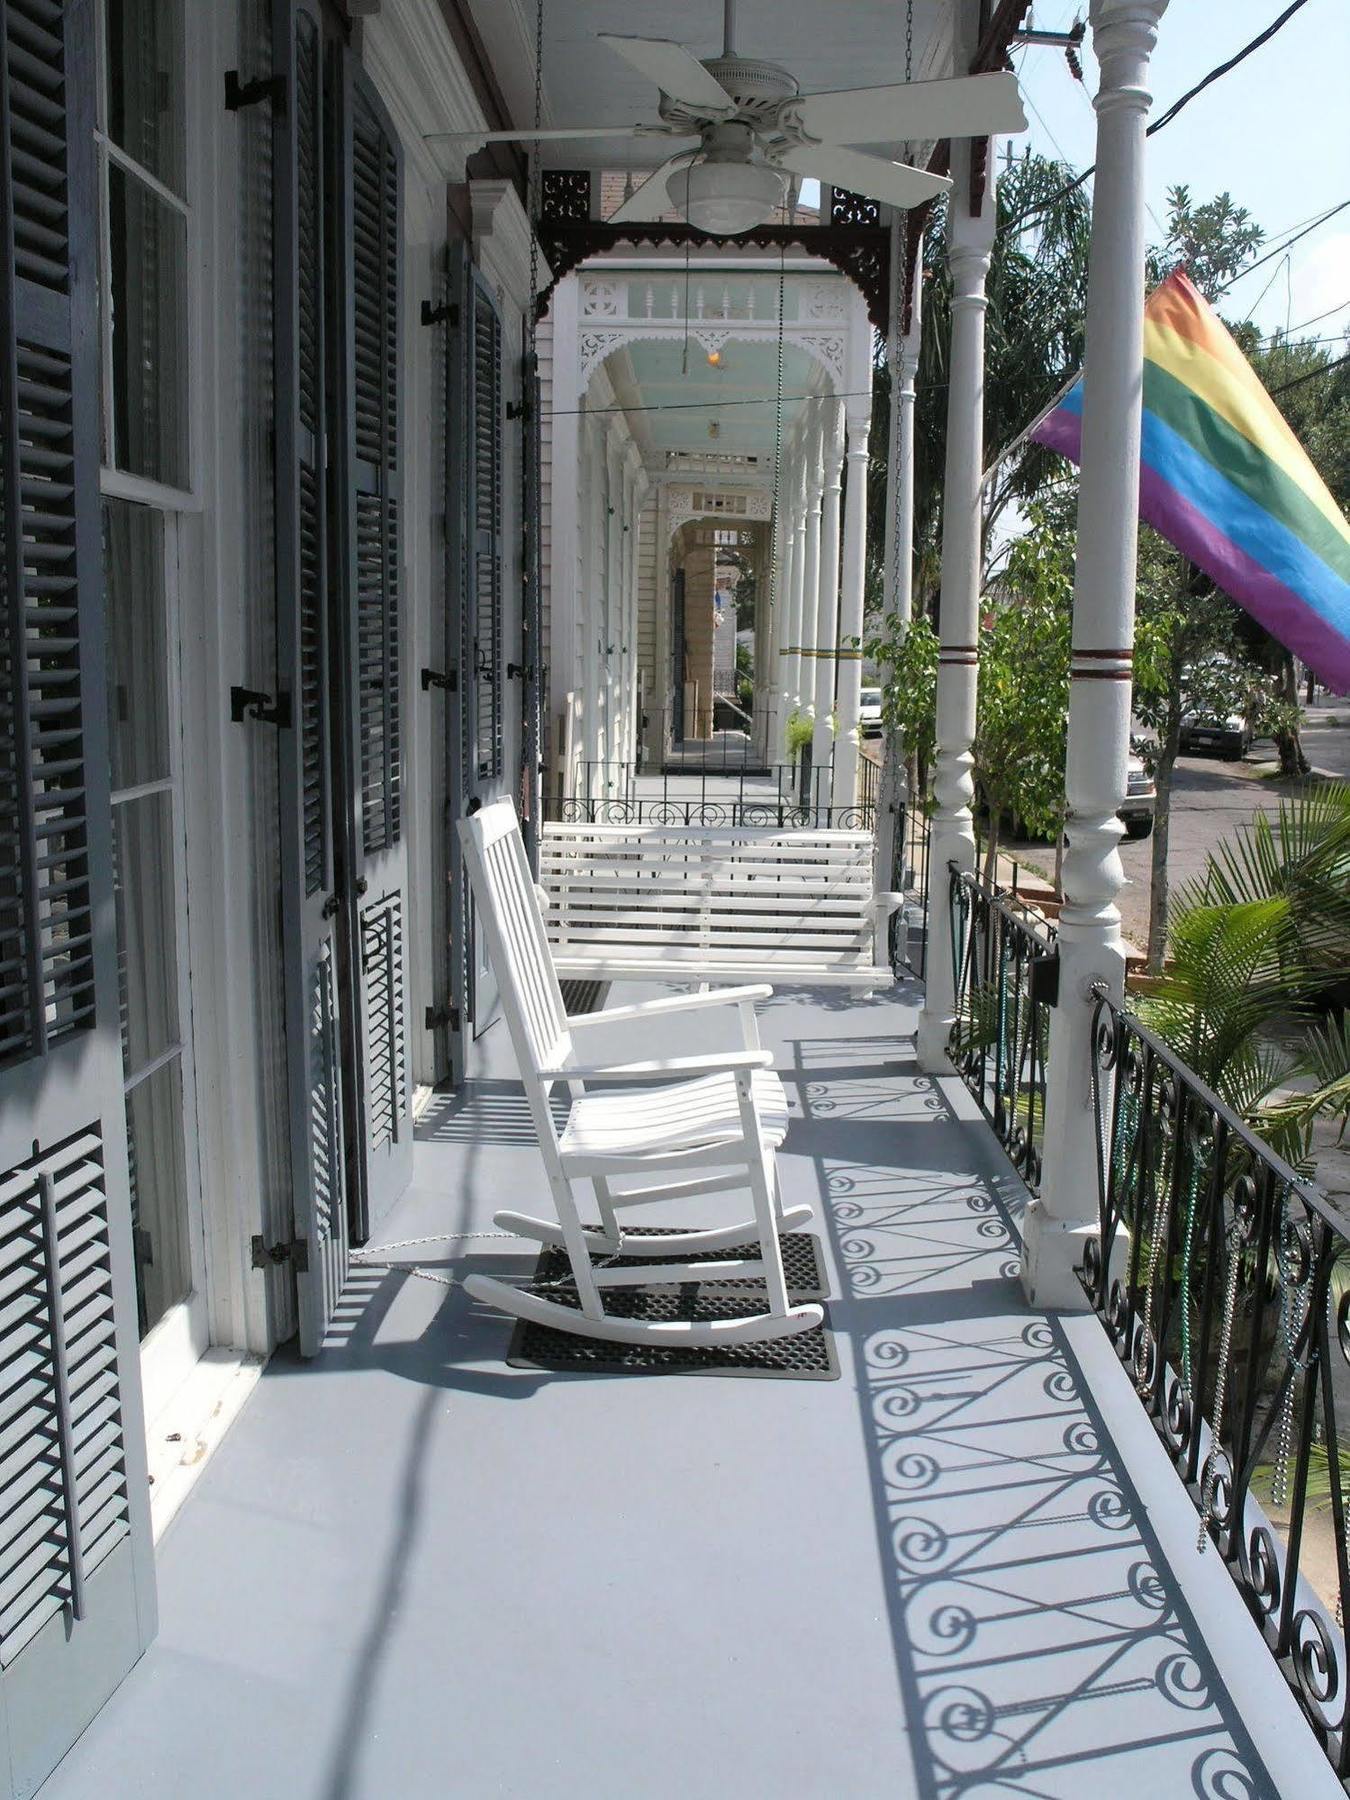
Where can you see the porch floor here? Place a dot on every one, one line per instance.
(962, 1569)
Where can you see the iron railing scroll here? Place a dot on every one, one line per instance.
(1005, 965)
(1223, 1281)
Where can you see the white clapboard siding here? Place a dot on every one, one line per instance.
(637, 900)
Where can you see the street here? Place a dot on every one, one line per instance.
(1212, 800)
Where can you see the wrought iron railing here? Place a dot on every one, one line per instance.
(732, 776)
(909, 876)
(1004, 960)
(1224, 1282)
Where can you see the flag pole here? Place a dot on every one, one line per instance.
(1026, 431)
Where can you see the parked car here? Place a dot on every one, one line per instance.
(1229, 734)
(1141, 799)
(869, 712)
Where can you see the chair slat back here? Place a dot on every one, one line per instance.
(532, 1002)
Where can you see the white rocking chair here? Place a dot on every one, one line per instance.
(713, 1122)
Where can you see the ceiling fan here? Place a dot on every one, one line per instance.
(756, 131)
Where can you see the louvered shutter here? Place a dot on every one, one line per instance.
(302, 303)
(485, 424)
(474, 589)
(76, 1565)
(372, 532)
(533, 635)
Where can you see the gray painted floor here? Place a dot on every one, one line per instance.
(963, 1569)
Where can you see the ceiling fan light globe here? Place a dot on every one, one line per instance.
(726, 198)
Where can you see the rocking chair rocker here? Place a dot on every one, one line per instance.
(712, 1122)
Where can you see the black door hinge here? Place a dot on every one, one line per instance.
(517, 409)
(296, 1253)
(444, 312)
(1044, 983)
(252, 703)
(438, 1016)
(248, 93)
(447, 681)
(524, 669)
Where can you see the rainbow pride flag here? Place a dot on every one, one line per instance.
(1225, 480)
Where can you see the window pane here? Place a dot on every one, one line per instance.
(147, 943)
(138, 680)
(148, 246)
(145, 84)
(159, 1197)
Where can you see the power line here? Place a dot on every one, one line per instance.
(1262, 37)
(565, 412)
(1274, 277)
(1166, 118)
(1311, 375)
(1303, 324)
(1288, 244)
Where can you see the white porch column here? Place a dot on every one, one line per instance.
(815, 485)
(785, 629)
(1059, 1222)
(903, 352)
(663, 695)
(848, 686)
(971, 238)
(796, 662)
(827, 597)
(769, 640)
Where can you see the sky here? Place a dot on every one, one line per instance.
(1274, 133)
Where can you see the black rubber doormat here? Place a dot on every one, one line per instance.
(810, 1356)
(801, 1261)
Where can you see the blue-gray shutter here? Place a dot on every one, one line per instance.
(485, 417)
(302, 304)
(372, 532)
(76, 1565)
(474, 573)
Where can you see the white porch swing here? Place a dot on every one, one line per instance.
(708, 1124)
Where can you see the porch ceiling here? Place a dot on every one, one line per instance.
(847, 43)
(676, 397)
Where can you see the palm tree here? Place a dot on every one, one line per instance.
(1037, 290)
(1258, 946)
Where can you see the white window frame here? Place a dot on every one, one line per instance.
(173, 1346)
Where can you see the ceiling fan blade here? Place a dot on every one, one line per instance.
(675, 72)
(651, 201)
(896, 183)
(915, 111)
(550, 134)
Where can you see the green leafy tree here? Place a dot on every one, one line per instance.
(906, 661)
(1212, 241)
(1037, 289)
(1190, 657)
(1023, 698)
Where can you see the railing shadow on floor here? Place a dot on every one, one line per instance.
(1039, 1633)
(1040, 1636)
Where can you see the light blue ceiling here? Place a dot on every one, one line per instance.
(677, 394)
